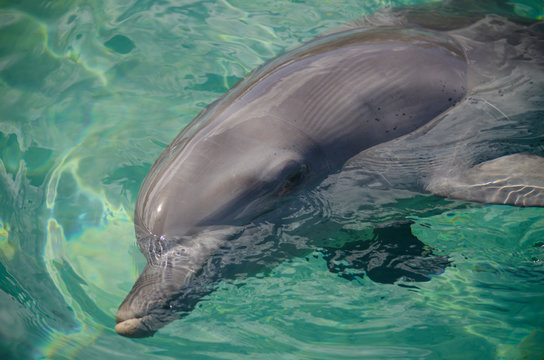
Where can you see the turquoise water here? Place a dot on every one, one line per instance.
(92, 92)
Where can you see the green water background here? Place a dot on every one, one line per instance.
(90, 94)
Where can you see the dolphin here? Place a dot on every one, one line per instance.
(370, 96)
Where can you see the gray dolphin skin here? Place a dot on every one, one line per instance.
(316, 111)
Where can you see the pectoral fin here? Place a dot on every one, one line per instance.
(516, 179)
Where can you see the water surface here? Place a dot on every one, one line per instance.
(92, 92)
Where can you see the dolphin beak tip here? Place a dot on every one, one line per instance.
(134, 328)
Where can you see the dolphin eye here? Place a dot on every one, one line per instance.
(296, 177)
(293, 179)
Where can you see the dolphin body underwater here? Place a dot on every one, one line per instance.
(406, 99)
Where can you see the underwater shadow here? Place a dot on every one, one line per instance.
(392, 255)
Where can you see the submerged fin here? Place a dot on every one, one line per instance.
(516, 179)
(393, 254)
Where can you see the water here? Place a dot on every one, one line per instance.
(91, 93)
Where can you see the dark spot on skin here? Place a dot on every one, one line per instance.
(379, 108)
(78, 36)
(450, 99)
(377, 119)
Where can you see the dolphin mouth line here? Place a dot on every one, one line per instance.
(134, 328)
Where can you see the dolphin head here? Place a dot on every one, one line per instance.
(191, 201)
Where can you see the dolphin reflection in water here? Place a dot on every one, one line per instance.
(406, 99)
